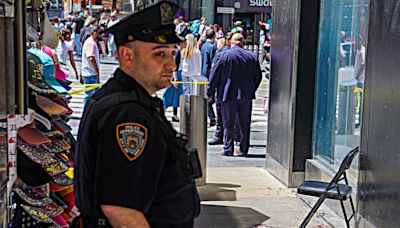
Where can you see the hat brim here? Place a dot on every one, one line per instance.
(49, 106)
(30, 172)
(32, 136)
(56, 86)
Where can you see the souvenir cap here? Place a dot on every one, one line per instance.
(32, 136)
(154, 24)
(35, 77)
(49, 106)
(46, 66)
(31, 172)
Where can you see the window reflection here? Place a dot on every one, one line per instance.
(340, 79)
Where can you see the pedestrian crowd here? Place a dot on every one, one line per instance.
(233, 75)
(205, 50)
(83, 34)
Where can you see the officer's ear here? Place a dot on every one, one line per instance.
(127, 55)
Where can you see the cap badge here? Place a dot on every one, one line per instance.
(132, 139)
(160, 39)
(130, 37)
(166, 14)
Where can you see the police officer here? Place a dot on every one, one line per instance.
(131, 167)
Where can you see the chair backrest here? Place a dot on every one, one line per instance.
(346, 163)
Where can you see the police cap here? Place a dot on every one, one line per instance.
(154, 24)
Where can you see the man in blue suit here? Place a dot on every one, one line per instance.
(207, 55)
(235, 76)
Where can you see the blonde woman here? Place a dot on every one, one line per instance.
(191, 62)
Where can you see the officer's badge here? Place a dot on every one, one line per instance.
(166, 14)
(160, 39)
(132, 139)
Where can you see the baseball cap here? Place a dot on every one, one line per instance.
(46, 66)
(32, 136)
(49, 106)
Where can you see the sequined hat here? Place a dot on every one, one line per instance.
(154, 24)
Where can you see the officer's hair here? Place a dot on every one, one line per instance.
(133, 45)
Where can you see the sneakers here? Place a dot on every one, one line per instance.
(240, 154)
(175, 119)
(216, 141)
(226, 154)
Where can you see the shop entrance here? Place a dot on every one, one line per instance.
(248, 20)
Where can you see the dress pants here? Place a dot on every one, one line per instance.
(240, 109)
(211, 113)
(219, 131)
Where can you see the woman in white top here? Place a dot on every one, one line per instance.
(191, 62)
(64, 51)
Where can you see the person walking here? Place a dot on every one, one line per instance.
(131, 167)
(236, 76)
(64, 51)
(111, 42)
(208, 51)
(191, 63)
(172, 95)
(219, 130)
(203, 26)
(91, 61)
(79, 21)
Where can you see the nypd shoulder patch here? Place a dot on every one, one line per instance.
(132, 139)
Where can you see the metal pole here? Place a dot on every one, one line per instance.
(20, 34)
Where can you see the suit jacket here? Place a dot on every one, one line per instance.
(236, 75)
(207, 55)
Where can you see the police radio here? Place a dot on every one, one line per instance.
(194, 162)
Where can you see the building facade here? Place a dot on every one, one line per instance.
(334, 86)
(248, 11)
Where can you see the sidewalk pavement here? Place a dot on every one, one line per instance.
(240, 192)
(250, 197)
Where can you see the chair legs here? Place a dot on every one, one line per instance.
(345, 214)
(312, 212)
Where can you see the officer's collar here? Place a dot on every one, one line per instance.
(129, 82)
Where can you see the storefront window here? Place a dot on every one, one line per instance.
(340, 79)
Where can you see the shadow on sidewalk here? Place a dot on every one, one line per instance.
(216, 192)
(224, 216)
(255, 156)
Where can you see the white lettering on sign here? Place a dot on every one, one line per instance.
(261, 3)
(226, 10)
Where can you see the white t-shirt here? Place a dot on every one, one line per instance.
(62, 51)
(110, 36)
(192, 67)
(90, 49)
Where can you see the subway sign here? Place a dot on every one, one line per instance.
(261, 3)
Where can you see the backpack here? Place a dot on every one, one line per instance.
(195, 28)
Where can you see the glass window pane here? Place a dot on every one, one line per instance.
(340, 77)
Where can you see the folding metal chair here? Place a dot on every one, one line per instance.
(332, 190)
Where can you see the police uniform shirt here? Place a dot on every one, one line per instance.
(134, 166)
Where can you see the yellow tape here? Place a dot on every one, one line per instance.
(82, 85)
(89, 87)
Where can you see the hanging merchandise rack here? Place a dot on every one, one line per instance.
(36, 144)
